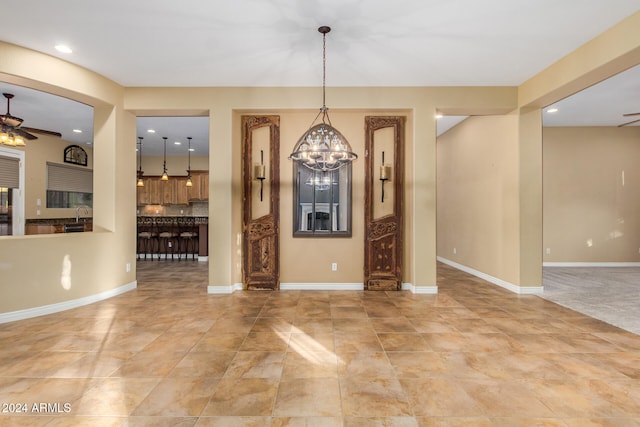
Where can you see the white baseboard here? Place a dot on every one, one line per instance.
(224, 290)
(591, 264)
(66, 305)
(420, 290)
(523, 290)
(321, 286)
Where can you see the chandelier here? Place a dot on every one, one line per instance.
(322, 147)
(320, 180)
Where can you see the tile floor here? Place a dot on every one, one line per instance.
(606, 293)
(168, 354)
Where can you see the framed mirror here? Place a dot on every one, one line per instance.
(322, 202)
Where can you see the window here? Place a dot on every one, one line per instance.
(68, 186)
(322, 202)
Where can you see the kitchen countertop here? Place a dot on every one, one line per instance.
(57, 221)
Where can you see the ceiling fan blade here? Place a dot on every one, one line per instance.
(9, 120)
(631, 114)
(24, 134)
(42, 131)
(628, 123)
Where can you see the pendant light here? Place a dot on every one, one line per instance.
(189, 182)
(140, 172)
(322, 147)
(165, 176)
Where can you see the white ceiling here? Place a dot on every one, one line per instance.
(276, 43)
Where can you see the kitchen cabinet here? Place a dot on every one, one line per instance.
(200, 189)
(168, 189)
(171, 192)
(180, 195)
(151, 193)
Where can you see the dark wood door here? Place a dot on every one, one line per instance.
(261, 270)
(383, 223)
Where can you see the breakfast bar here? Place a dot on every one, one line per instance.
(172, 237)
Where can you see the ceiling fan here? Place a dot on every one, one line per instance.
(631, 122)
(11, 131)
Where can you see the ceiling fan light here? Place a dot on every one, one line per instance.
(19, 141)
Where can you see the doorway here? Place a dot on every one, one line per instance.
(11, 192)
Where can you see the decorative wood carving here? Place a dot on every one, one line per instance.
(383, 236)
(261, 235)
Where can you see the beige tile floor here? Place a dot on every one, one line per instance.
(169, 354)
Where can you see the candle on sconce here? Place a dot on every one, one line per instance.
(259, 172)
(385, 173)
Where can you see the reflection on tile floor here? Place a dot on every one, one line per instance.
(169, 354)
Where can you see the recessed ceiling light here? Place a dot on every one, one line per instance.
(151, 131)
(439, 116)
(178, 143)
(552, 110)
(192, 149)
(77, 131)
(63, 48)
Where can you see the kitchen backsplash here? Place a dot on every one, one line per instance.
(193, 209)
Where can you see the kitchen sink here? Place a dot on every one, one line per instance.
(74, 227)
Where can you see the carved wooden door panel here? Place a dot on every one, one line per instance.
(261, 200)
(384, 172)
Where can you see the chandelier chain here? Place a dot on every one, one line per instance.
(324, 69)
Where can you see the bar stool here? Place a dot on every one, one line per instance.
(147, 237)
(167, 236)
(188, 233)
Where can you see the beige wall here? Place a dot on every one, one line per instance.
(478, 199)
(42, 270)
(308, 260)
(98, 259)
(37, 154)
(591, 188)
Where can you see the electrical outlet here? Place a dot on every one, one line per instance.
(549, 251)
(455, 251)
(127, 267)
(334, 266)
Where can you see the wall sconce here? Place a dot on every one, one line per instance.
(259, 172)
(385, 175)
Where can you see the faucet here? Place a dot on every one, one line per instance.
(84, 208)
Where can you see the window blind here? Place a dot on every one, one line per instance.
(9, 172)
(69, 178)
